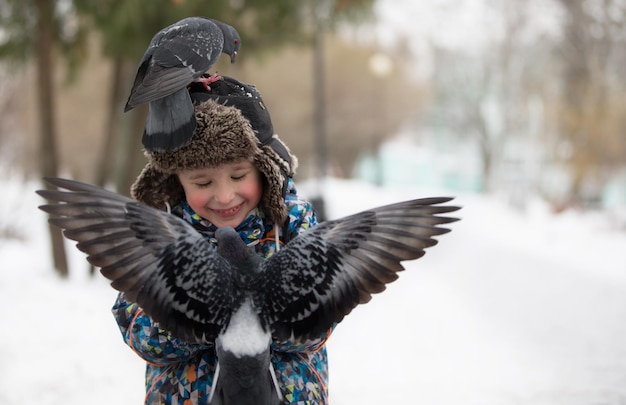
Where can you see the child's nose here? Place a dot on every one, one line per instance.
(223, 194)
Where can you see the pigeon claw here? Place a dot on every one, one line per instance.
(206, 81)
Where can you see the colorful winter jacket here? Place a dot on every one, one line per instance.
(182, 373)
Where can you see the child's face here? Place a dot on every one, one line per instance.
(223, 195)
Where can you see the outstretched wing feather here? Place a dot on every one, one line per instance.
(321, 275)
(156, 259)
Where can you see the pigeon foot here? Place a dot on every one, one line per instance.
(206, 81)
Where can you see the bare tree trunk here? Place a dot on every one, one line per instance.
(319, 87)
(47, 124)
(590, 117)
(104, 170)
(129, 149)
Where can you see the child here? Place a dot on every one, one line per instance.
(234, 172)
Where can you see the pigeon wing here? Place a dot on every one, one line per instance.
(177, 55)
(159, 261)
(321, 275)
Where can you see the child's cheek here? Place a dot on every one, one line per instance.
(197, 200)
(252, 191)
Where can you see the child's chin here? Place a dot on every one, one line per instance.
(232, 222)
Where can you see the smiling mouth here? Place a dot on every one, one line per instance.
(229, 212)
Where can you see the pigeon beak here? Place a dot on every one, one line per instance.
(233, 57)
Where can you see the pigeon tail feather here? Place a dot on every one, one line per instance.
(245, 380)
(170, 123)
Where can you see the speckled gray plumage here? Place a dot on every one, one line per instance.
(176, 56)
(194, 290)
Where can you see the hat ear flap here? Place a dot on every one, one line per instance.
(156, 188)
(281, 154)
(272, 201)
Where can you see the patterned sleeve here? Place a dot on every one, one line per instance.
(302, 214)
(144, 337)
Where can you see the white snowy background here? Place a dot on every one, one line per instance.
(510, 308)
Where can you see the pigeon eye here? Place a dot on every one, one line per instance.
(236, 41)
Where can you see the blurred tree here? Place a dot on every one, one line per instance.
(362, 109)
(481, 93)
(8, 107)
(368, 105)
(39, 28)
(563, 91)
(126, 28)
(591, 118)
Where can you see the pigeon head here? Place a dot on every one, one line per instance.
(232, 40)
(239, 255)
(231, 247)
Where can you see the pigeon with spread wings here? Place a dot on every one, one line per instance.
(177, 56)
(229, 295)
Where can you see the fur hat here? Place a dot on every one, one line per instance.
(222, 135)
(247, 99)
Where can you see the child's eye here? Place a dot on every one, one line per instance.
(203, 185)
(239, 177)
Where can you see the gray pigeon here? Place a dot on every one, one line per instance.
(229, 295)
(178, 55)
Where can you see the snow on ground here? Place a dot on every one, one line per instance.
(510, 308)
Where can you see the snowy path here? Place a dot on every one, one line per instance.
(508, 309)
(507, 317)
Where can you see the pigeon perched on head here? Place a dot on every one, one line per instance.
(178, 55)
(230, 296)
